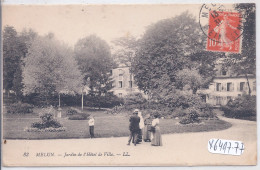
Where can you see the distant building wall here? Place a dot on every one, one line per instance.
(123, 82)
(222, 89)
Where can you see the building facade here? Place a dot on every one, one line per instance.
(226, 86)
(123, 81)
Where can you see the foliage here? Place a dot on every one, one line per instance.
(165, 49)
(94, 59)
(47, 121)
(108, 100)
(20, 108)
(189, 79)
(50, 129)
(245, 62)
(192, 117)
(72, 111)
(79, 116)
(50, 69)
(134, 101)
(241, 107)
(126, 48)
(15, 48)
(12, 55)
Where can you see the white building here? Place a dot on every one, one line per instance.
(226, 86)
(123, 81)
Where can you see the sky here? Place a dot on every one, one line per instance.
(69, 23)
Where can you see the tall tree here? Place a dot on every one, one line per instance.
(11, 56)
(95, 62)
(165, 49)
(244, 63)
(125, 49)
(50, 69)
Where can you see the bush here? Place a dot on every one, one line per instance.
(72, 111)
(241, 107)
(20, 108)
(60, 129)
(192, 117)
(108, 101)
(79, 116)
(47, 121)
(135, 101)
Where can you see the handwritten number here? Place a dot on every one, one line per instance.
(220, 145)
(229, 146)
(241, 149)
(236, 146)
(216, 146)
(211, 143)
(225, 147)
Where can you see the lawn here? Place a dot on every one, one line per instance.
(105, 126)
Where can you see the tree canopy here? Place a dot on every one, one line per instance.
(168, 46)
(50, 68)
(95, 63)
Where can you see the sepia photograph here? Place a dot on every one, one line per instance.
(129, 85)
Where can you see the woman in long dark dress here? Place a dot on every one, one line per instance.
(146, 130)
(157, 138)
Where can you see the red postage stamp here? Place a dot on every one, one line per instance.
(224, 31)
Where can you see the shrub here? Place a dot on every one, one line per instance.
(20, 108)
(72, 111)
(108, 101)
(135, 101)
(79, 116)
(51, 129)
(192, 117)
(47, 121)
(241, 107)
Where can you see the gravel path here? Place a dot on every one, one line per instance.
(178, 149)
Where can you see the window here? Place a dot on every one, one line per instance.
(242, 86)
(229, 87)
(219, 100)
(111, 72)
(120, 72)
(130, 84)
(218, 88)
(229, 98)
(120, 84)
(120, 94)
(224, 72)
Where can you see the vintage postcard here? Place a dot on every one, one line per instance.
(129, 85)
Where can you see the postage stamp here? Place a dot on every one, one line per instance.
(224, 28)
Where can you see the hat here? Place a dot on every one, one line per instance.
(136, 110)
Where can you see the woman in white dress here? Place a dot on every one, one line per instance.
(157, 138)
(141, 126)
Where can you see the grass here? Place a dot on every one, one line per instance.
(105, 126)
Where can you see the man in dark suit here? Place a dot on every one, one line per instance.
(134, 127)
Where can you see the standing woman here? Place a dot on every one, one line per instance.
(141, 126)
(157, 138)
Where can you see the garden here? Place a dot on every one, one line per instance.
(24, 121)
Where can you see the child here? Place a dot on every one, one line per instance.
(91, 122)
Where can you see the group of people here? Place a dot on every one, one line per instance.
(146, 130)
(140, 129)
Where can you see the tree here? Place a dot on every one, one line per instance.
(94, 59)
(15, 48)
(190, 78)
(11, 56)
(165, 49)
(126, 48)
(50, 69)
(245, 62)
